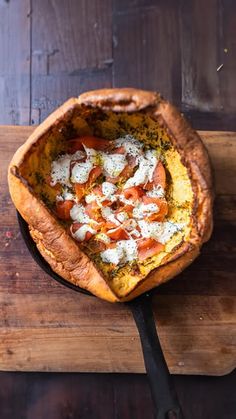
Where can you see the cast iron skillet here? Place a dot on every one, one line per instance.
(162, 389)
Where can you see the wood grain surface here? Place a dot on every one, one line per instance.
(51, 50)
(47, 327)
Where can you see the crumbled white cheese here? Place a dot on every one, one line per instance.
(91, 198)
(108, 188)
(156, 192)
(94, 198)
(113, 164)
(144, 173)
(135, 233)
(125, 251)
(152, 161)
(122, 216)
(125, 200)
(91, 154)
(162, 232)
(132, 146)
(130, 224)
(78, 214)
(80, 172)
(129, 248)
(144, 210)
(60, 171)
(109, 215)
(60, 168)
(112, 256)
(80, 234)
(68, 196)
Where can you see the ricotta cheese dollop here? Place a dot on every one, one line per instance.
(92, 198)
(144, 210)
(60, 171)
(144, 173)
(156, 192)
(91, 154)
(80, 172)
(60, 168)
(125, 251)
(108, 190)
(113, 164)
(78, 214)
(162, 232)
(132, 146)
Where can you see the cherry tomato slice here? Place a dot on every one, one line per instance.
(159, 177)
(148, 248)
(117, 234)
(162, 208)
(134, 193)
(81, 188)
(63, 209)
(89, 141)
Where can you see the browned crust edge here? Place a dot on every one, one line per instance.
(196, 158)
(119, 100)
(58, 248)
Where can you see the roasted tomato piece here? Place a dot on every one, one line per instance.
(162, 208)
(117, 234)
(93, 211)
(113, 180)
(148, 247)
(90, 142)
(48, 179)
(63, 209)
(97, 190)
(126, 173)
(95, 172)
(159, 177)
(127, 208)
(134, 193)
(81, 188)
(80, 191)
(108, 225)
(119, 150)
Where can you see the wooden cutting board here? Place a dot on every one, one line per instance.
(47, 327)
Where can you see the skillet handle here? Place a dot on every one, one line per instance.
(161, 384)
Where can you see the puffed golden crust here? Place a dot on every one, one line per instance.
(59, 248)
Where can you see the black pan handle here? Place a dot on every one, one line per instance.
(161, 384)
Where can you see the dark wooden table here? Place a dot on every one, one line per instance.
(53, 49)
